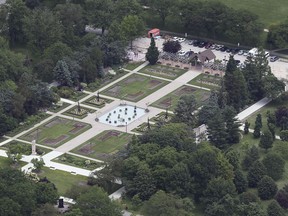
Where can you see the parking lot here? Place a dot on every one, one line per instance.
(279, 67)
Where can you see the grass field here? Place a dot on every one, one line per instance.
(132, 65)
(63, 180)
(103, 145)
(269, 11)
(163, 71)
(170, 100)
(134, 87)
(4, 163)
(56, 132)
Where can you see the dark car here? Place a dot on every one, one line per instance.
(223, 49)
(196, 43)
(228, 50)
(202, 44)
(237, 62)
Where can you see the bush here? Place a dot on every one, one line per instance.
(248, 197)
(65, 92)
(256, 173)
(282, 197)
(284, 135)
(240, 181)
(267, 188)
(171, 46)
(281, 148)
(274, 209)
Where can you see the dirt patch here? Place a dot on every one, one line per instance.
(133, 79)
(109, 134)
(134, 96)
(87, 149)
(77, 128)
(55, 141)
(166, 103)
(153, 83)
(184, 90)
(115, 90)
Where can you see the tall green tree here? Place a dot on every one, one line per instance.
(256, 173)
(184, 111)
(152, 53)
(274, 164)
(162, 8)
(267, 188)
(217, 131)
(232, 126)
(274, 209)
(42, 28)
(96, 202)
(62, 73)
(266, 140)
(240, 181)
(131, 27)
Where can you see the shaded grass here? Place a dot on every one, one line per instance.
(100, 145)
(5, 163)
(63, 181)
(172, 98)
(163, 71)
(132, 65)
(56, 108)
(134, 88)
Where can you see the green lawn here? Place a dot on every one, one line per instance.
(56, 132)
(170, 100)
(4, 163)
(63, 180)
(103, 145)
(206, 81)
(132, 65)
(269, 11)
(272, 106)
(135, 87)
(163, 71)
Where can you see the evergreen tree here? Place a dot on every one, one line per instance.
(274, 209)
(256, 173)
(259, 120)
(232, 126)
(152, 53)
(240, 181)
(267, 188)
(258, 126)
(62, 73)
(246, 127)
(274, 164)
(272, 128)
(217, 133)
(266, 140)
(250, 157)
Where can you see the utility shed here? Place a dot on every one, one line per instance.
(153, 32)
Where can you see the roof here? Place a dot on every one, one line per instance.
(154, 30)
(206, 55)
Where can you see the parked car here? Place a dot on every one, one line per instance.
(181, 53)
(208, 45)
(273, 58)
(202, 44)
(190, 42)
(219, 47)
(196, 43)
(241, 52)
(237, 62)
(181, 40)
(223, 49)
(245, 52)
(213, 46)
(189, 53)
(228, 50)
(175, 38)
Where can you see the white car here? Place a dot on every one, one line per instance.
(181, 53)
(241, 52)
(181, 40)
(175, 39)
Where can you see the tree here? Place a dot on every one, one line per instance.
(258, 120)
(38, 164)
(240, 181)
(162, 203)
(252, 209)
(272, 86)
(16, 11)
(250, 157)
(62, 73)
(127, 7)
(131, 27)
(246, 127)
(248, 197)
(258, 126)
(45, 210)
(266, 140)
(218, 188)
(281, 115)
(57, 51)
(284, 135)
(171, 46)
(235, 85)
(232, 125)
(233, 158)
(46, 193)
(42, 28)
(274, 209)
(184, 110)
(274, 164)
(217, 132)
(163, 8)
(74, 212)
(100, 13)
(209, 109)
(267, 188)
(277, 36)
(9, 207)
(96, 202)
(152, 53)
(272, 128)
(282, 197)
(256, 173)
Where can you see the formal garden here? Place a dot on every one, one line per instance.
(163, 71)
(56, 132)
(132, 65)
(206, 81)
(135, 87)
(79, 111)
(97, 101)
(104, 145)
(170, 100)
